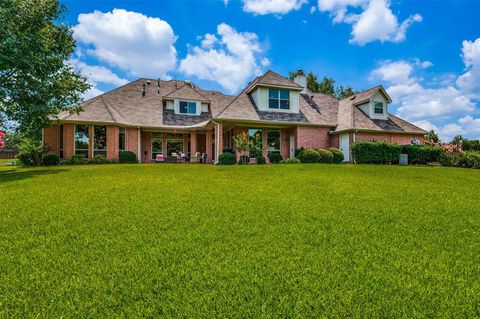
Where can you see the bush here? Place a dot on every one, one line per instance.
(325, 156)
(78, 159)
(49, 160)
(229, 150)
(291, 160)
(452, 159)
(473, 145)
(471, 159)
(98, 159)
(375, 152)
(244, 159)
(337, 155)
(127, 157)
(275, 158)
(227, 159)
(309, 156)
(422, 154)
(261, 160)
(298, 151)
(31, 152)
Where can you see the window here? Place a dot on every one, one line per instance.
(378, 108)
(174, 146)
(188, 107)
(82, 140)
(273, 141)
(278, 99)
(100, 140)
(157, 146)
(255, 136)
(121, 139)
(60, 128)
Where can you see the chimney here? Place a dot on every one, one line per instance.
(301, 80)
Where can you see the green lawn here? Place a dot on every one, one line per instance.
(241, 241)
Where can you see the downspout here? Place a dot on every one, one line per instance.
(217, 141)
(139, 146)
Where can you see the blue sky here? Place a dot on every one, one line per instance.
(425, 53)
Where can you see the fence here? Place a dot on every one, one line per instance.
(8, 154)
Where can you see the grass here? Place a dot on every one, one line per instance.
(242, 241)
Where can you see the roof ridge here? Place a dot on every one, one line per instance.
(363, 91)
(111, 110)
(87, 103)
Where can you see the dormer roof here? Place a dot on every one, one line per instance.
(187, 92)
(271, 78)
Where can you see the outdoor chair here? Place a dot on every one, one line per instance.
(160, 158)
(195, 158)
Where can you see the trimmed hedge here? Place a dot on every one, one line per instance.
(422, 154)
(127, 157)
(325, 156)
(309, 156)
(337, 155)
(291, 160)
(50, 160)
(275, 158)
(364, 152)
(227, 159)
(470, 159)
(98, 159)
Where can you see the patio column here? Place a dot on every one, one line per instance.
(112, 142)
(208, 146)
(264, 143)
(219, 140)
(193, 143)
(90, 146)
(68, 143)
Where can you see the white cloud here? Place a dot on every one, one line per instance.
(313, 9)
(232, 60)
(469, 82)
(131, 41)
(376, 21)
(414, 100)
(209, 40)
(465, 126)
(277, 7)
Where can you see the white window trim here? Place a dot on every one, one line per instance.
(383, 108)
(151, 146)
(93, 140)
(289, 110)
(188, 101)
(74, 144)
(280, 137)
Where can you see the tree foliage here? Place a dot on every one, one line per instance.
(326, 86)
(36, 83)
(432, 137)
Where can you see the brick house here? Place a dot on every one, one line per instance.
(150, 117)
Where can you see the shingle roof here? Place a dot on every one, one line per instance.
(188, 92)
(275, 79)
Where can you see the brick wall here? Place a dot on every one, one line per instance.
(146, 141)
(132, 140)
(50, 139)
(312, 137)
(208, 142)
(285, 142)
(401, 139)
(112, 142)
(335, 141)
(68, 142)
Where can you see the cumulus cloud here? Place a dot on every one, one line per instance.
(465, 126)
(469, 82)
(131, 41)
(414, 100)
(277, 7)
(231, 59)
(376, 20)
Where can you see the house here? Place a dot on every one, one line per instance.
(150, 117)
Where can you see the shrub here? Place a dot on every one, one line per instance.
(275, 158)
(422, 154)
(31, 152)
(49, 160)
(229, 150)
(337, 155)
(98, 159)
(127, 157)
(452, 159)
(298, 151)
(78, 159)
(325, 156)
(291, 160)
(471, 159)
(227, 159)
(375, 152)
(309, 156)
(261, 160)
(473, 145)
(244, 159)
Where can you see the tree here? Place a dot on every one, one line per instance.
(432, 137)
(326, 86)
(457, 141)
(36, 83)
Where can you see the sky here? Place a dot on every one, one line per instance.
(425, 53)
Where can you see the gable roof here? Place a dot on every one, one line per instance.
(271, 78)
(188, 92)
(366, 95)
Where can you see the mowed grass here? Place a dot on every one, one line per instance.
(244, 241)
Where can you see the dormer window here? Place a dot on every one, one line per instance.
(188, 107)
(378, 107)
(278, 99)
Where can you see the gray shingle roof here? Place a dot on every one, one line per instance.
(271, 78)
(188, 92)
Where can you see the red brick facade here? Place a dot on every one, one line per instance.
(401, 139)
(51, 139)
(312, 137)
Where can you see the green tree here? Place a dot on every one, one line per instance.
(457, 141)
(326, 86)
(432, 137)
(35, 81)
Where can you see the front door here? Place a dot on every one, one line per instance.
(345, 146)
(292, 146)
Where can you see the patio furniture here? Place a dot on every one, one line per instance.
(160, 158)
(181, 158)
(203, 159)
(195, 158)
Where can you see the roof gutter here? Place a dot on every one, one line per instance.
(217, 141)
